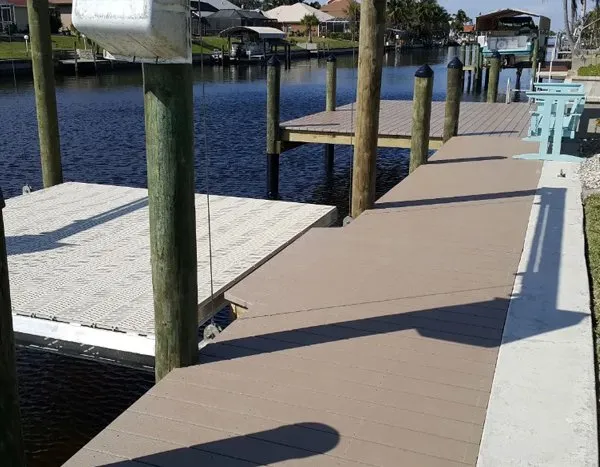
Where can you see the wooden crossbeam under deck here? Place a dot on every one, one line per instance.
(384, 141)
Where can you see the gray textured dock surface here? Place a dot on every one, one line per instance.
(79, 253)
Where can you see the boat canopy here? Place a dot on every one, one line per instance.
(260, 32)
(491, 21)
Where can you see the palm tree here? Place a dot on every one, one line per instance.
(309, 22)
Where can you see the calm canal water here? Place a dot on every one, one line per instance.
(66, 401)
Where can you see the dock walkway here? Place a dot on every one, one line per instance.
(376, 344)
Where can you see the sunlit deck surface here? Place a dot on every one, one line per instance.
(79, 259)
(395, 121)
(373, 344)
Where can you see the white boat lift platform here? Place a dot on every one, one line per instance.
(79, 263)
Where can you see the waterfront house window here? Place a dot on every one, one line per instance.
(6, 14)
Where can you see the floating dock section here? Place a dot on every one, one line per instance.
(79, 259)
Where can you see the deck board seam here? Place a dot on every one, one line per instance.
(205, 386)
(308, 428)
(482, 392)
(294, 343)
(282, 420)
(232, 457)
(384, 346)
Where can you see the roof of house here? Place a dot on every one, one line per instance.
(337, 8)
(220, 4)
(295, 13)
(246, 14)
(469, 28)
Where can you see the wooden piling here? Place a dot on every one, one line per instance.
(370, 62)
(486, 82)
(421, 117)
(462, 54)
(45, 95)
(169, 112)
(330, 104)
(289, 56)
(469, 81)
(534, 59)
(494, 77)
(453, 94)
(273, 150)
(479, 75)
(12, 451)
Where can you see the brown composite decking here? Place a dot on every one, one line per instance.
(373, 344)
(395, 120)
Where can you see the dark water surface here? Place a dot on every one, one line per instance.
(66, 401)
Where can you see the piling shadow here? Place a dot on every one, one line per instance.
(465, 159)
(255, 449)
(453, 199)
(18, 245)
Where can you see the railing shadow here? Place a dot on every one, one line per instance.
(453, 199)
(255, 449)
(18, 245)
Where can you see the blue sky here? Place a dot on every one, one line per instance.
(550, 8)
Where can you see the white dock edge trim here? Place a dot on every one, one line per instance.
(75, 333)
(542, 409)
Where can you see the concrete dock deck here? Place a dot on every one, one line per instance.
(79, 258)
(395, 120)
(376, 344)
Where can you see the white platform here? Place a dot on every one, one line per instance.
(542, 409)
(79, 258)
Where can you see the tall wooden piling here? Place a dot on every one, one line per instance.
(273, 150)
(534, 59)
(453, 94)
(370, 63)
(330, 104)
(462, 54)
(421, 117)
(494, 77)
(169, 111)
(479, 75)
(12, 451)
(45, 94)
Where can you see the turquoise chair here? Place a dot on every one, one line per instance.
(556, 117)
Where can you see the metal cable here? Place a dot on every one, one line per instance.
(207, 180)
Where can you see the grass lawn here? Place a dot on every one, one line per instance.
(327, 42)
(592, 234)
(208, 44)
(590, 70)
(17, 50)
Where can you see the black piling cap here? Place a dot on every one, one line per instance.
(274, 61)
(424, 72)
(331, 58)
(2, 203)
(455, 63)
(496, 54)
